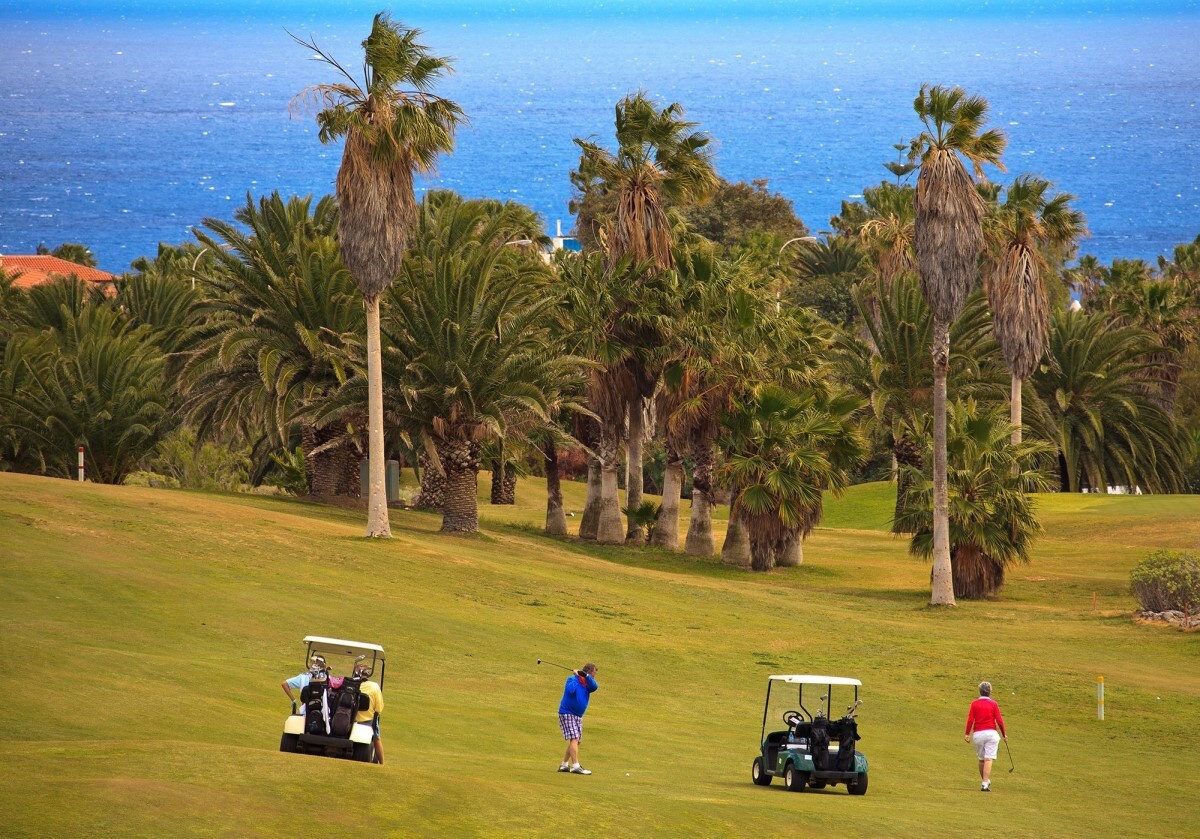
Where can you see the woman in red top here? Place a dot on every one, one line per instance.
(985, 727)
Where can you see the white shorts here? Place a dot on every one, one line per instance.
(986, 743)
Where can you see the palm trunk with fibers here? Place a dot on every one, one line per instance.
(791, 552)
(610, 529)
(976, 575)
(633, 468)
(905, 452)
(377, 512)
(433, 485)
(589, 524)
(504, 483)
(736, 549)
(764, 546)
(556, 516)
(460, 460)
(700, 540)
(1014, 405)
(942, 582)
(666, 528)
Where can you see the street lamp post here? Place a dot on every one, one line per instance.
(778, 256)
(196, 262)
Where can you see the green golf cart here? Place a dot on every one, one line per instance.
(814, 750)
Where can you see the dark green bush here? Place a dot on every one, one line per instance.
(1168, 580)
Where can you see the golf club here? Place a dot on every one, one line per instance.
(1011, 765)
(552, 664)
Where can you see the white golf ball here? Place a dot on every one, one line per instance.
(626, 774)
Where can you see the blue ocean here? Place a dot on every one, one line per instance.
(125, 126)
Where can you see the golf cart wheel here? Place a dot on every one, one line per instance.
(290, 743)
(794, 779)
(758, 774)
(858, 787)
(364, 752)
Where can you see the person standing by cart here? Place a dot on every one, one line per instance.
(580, 686)
(985, 729)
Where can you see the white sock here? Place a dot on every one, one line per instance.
(576, 766)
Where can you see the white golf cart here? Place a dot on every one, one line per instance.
(325, 721)
(814, 750)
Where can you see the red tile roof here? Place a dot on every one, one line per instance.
(37, 269)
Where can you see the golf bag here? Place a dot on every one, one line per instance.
(847, 737)
(344, 702)
(316, 707)
(819, 743)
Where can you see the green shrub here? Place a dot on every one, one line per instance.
(207, 466)
(1167, 580)
(150, 479)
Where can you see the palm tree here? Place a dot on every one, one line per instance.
(470, 330)
(91, 380)
(1086, 279)
(394, 127)
(614, 309)
(1095, 407)
(1021, 232)
(993, 521)
(74, 252)
(948, 239)
(892, 368)
(281, 314)
(888, 231)
(660, 161)
(782, 451)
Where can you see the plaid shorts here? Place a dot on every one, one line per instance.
(571, 725)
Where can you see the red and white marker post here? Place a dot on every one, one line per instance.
(81, 464)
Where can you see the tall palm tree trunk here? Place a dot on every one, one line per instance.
(610, 530)
(377, 511)
(1014, 405)
(589, 524)
(460, 459)
(666, 527)
(942, 583)
(633, 468)
(556, 516)
(700, 540)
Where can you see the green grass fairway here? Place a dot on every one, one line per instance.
(145, 632)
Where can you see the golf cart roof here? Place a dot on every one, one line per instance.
(815, 680)
(340, 647)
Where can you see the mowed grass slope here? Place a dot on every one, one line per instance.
(145, 633)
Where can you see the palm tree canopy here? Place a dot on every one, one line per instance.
(989, 483)
(1096, 408)
(659, 160)
(947, 236)
(1024, 234)
(393, 125)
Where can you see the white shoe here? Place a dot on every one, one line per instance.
(579, 770)
(566, 767)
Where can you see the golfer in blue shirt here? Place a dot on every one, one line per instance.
(581, 684)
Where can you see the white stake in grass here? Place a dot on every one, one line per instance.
(1099, 697)
(81, 464)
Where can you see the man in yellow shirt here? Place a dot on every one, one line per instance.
(370, 717)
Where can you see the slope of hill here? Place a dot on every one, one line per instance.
(145, 633)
